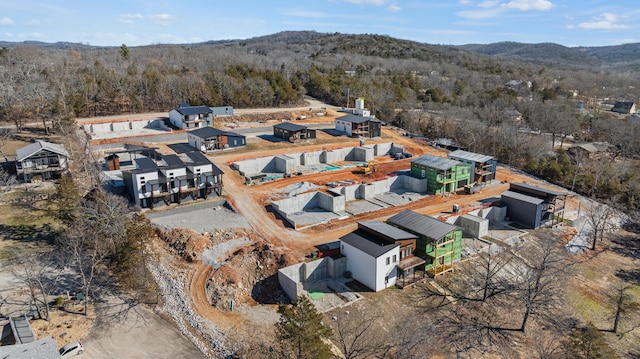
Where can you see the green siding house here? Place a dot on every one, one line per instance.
(439, 243)
(443, 175)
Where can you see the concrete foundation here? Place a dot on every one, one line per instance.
(292, 278)
(295, 162)
(473, 226)
(335, 202)
(99, 128)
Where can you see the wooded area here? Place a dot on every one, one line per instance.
(434, 91)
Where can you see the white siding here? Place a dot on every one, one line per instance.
(176, 118)
(344, 126)
(370, 271)
(140, 180)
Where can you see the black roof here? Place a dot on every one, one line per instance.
(146, 164)
(197, 158)
(173, 161)
(622, 106)
(534, 190)
(208, 132)
(193, 110)
(386, 230)
(356, 119)
(288, 126)
(423, 225)
(368, 243)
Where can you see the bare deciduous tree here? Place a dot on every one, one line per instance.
(601, 219)
(40, 273)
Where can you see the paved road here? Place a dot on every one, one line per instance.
(138, 333)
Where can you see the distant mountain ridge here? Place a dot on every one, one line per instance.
(627, 55)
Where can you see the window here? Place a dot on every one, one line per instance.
(388, 260)
(395, 258)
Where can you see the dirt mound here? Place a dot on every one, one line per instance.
(249, 275)
(186, 243)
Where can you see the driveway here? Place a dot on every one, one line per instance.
(137, 333)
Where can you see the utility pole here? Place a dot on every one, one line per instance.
(347, 97)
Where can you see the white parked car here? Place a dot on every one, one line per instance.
(71, 350)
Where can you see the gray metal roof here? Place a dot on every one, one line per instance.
(22, 330)
(208, 132)
(387, 230)
(288, 126)
(535, 190)
(423, 225)
(368, 243)
(197, 158)
(193, 110)
(45, 348)
(437, 162)
(356, 119)
(522, 197)
(146, 164)
(30, 150)
(469, 156)
(173, 161)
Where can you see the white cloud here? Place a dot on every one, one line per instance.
(489, 3)
(526, 5)
(393, 8)
(33, 23)
(5, 21)
(160, 19)
(129, 18)
(606, 21)
(480, 14)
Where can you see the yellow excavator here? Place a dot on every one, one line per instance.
(368, 168)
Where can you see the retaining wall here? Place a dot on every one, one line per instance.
(125, 126)
(288, 163)
(284, 164)
(473, 226)
(311, 158)
(256, 166)
(382, 149)
(291, 278)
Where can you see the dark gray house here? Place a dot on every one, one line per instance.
(209, 138)
(292, 132)
(533, 206)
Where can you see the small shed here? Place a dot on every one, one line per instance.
(113, 162)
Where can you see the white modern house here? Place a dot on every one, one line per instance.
(185, 116)
(372, 258)
(172, 179)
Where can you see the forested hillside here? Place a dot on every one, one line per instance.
(431, 90)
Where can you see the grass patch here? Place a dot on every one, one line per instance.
(591, 274)
(589, 309)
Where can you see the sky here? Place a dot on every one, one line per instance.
(448, 22)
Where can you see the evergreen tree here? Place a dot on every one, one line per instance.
(67, 199)
(301, 330)
(588, 343)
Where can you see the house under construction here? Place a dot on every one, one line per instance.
(482, 166)
(438, 242)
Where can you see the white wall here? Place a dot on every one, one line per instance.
(371, 271)
(343, 126)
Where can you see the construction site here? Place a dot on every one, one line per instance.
(280, 200)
